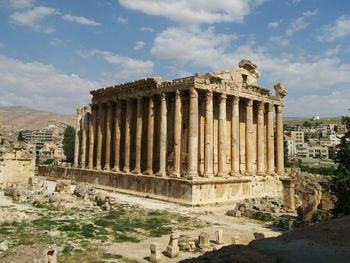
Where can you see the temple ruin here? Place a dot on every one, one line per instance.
(201, 139)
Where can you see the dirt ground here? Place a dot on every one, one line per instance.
(210, 217)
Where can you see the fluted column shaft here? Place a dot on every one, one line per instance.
(126, 168)
(222, 166)
(77, 137)
(92, 125)
(249, 137)
(270, 141)
(99, 136)
(193, 135)
(150, 135)
(235, 137)
(84, 122)
(177, 135)
(108, 136)
(208, 137)
(279, 140)
(261, 139)
(137, 169)
(117, 123)
(162, 135)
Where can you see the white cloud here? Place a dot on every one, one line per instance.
(147, 29)
(139, 45)
(192, 45)
(41, 86)
(32, 18)
(80, 20)
(310, 13)
(195, 11)
(338, 30)
(122, 20)
(300, 23)
(279, 40)
(296, 25)
(274, 24)
(126, 68)
(18, 4)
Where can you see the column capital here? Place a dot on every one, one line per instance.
(235, 100)
(222, 97)
(178, 94)
(209, 96)
(279, 108)
(270, 107)
(249, 102)
(163, 96)
(193, 93)
(261, 107)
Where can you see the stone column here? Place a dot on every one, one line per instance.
(235, 137)
(99, 136)
(77, 137)
(108, 136)
(162, 136)
(249, 137)
(279, 140)
(150, 134)
(126, 168)
(222, 165)
(270, 141)
(84, 130)
(117, 124)
(92, 127)
(137, 169)
(193, 135)
(209, 141)
(261, 139)
(177, 134)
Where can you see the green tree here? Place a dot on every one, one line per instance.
(340, 183)
(68, 143)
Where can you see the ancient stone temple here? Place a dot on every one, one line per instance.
(201, 139)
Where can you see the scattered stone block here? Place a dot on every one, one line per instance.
(63, 186)
(219, 236)
(259, 235)
(83, 190)
(172, 249)
(36, 183)
(155, 253)
(203, 240)
(191, 246)
(30, 253)
(235, 240)
(4, 246)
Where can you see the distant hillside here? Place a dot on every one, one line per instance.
(300, 121)
(21, 118)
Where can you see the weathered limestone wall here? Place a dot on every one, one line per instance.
(16, 171)
(17, 161)
(216, 190)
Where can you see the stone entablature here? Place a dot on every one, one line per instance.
(217, 124)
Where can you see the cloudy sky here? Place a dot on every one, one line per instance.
(52, 53)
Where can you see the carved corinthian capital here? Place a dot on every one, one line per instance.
(249, 103)
(193, 93)
(235, 100)
(222, 97)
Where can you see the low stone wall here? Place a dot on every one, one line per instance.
(192, 192)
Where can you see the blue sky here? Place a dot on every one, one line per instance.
(52, 53)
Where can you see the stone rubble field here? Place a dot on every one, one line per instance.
(84, 224)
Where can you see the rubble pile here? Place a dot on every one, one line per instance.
(265, 209)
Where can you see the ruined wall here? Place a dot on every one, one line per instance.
(17, 161)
